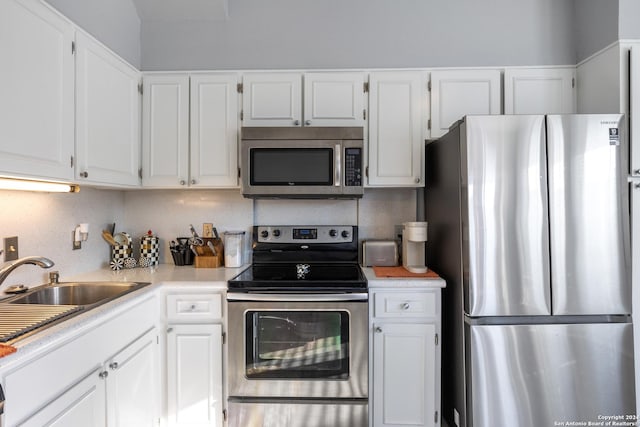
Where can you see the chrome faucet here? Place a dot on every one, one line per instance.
(35, 260)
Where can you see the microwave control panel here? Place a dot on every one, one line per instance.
(353, 167)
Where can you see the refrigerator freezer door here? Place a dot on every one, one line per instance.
(504, 216)
(543, 375)
(588, 215)
(634, 100)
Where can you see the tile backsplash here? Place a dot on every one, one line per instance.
(44, 221)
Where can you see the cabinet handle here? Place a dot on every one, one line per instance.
(636, 172)
(193, 181)
(103, 374)
(183, 182)
(84, 174)
(405, 306)
(636, 185)
(169, 330)
(193, 307)
(417, 180)
(307, 123)
(378, 329)
(296, 122)
(113, 366)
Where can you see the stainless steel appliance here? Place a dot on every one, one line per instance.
(298, 331)
(529, 226)
(301, 162)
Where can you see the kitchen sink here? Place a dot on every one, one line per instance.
(77, 293)
(52, 303)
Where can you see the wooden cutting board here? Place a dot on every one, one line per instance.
(400, 271)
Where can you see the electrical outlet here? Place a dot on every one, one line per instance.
(207, 230)
(11, 248)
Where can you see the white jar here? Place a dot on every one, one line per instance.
(233, 247)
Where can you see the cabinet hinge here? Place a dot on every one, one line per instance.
(364, 114)
(73, 48)
(239, 173)
(365, 87)
(366, 171)
(224, 338)
(239, 87)
(573, 82)
(140, 90)
(241, 115)
(224, 414)
(71, 161)
(140, 173)
(429, 124)
(437, 339)
(435, 417)
(429, 86)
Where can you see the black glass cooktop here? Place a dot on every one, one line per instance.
(300, 277)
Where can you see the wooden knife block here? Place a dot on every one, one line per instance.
(206, 258)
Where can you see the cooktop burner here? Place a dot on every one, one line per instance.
(302, 259)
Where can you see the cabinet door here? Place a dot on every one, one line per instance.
(194, 369)
(214, 130)
(334, 99)
(397, 110)
(634, 101)
(36, 91)
(272, 99)
(133, 392)
(165, 131)
(539, 91)
(456, 93)
(108, 116)
(81, 405)
(404, 375)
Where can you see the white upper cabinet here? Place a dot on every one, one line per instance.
(165, 130)
(36, 92)
(272, 99)
(328, 98)
(107, 116)
(539, 91)
(214, 130)
(456, 93)
(190, 131)
(334, 99)
(398, 110)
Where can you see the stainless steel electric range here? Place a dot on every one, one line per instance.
(298, 334)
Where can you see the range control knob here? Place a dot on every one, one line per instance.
(333, 233)
(345, 233)
(264, 234)
(276, 233)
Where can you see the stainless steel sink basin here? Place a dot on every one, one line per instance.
(46, 305)
(77, 293)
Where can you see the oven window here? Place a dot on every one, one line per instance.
(297, 344)
(291, 166)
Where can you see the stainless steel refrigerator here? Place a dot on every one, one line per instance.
(529, 225)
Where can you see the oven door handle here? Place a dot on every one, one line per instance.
(239, 296)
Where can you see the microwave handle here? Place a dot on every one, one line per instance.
(338, 163)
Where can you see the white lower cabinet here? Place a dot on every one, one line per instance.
(82, 404)
(194, 360)
(405, 357)
(104, 377)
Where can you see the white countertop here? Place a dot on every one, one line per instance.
(405, 282)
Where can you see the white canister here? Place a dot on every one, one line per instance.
(233, 247)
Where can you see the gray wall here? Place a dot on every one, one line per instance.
(280, 34)
(596, 25)
(629, 19)
(114, 22)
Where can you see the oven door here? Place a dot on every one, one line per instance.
(298, 346)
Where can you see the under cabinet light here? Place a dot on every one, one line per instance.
(28, 185)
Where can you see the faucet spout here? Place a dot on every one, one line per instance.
(34, 260)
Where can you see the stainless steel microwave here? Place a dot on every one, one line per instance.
(301, 162)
